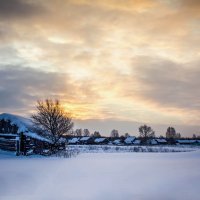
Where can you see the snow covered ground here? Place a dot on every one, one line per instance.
(135, 148)
(101, 176)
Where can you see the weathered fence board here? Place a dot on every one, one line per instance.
(8, 142)
(22, 144)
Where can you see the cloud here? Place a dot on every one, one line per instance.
(11, 9)
(168, 83)
(112, 59)
(21, 87)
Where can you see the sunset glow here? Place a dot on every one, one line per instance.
(133, 60)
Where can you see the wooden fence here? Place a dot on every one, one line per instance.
(9, 142)
(22, 144)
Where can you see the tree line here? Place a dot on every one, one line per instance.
(53, 122)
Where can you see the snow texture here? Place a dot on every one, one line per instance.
(124, 149)
(114, 176)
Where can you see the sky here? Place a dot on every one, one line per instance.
(119, 61)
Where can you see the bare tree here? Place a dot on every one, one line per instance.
(178, 135)
(114, 133)
(194, 136)
(146, 132)
(96, 134)
(171, 132)
(52, 120)
(126, 135)
(79, 132)
(86, 132)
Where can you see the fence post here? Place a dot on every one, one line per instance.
(17, 145)
(22, 144)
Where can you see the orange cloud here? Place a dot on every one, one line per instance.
(132, 60)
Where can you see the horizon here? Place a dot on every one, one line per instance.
(104, 127)
(110, 63)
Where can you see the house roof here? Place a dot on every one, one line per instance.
(161, 140)
(117, 141)
(136, 141)
(153, 141)
(85, 138)
(98, 140)
(129, 140)
(73, 140)
(23, 125)
(186, 141)
(22, 122)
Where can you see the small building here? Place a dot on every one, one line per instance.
(185, 141)
(117, 142)
(129, 140)
(74, 140)
(136, 142)
(101, 140)
(152, 142)
(15, 135)
(161, 141)
(86, 140)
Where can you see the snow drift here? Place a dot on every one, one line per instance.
(128, 176)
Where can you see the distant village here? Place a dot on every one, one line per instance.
(15, 135)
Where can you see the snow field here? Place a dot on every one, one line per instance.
(102, 176)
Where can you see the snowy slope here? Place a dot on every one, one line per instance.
(125, 176)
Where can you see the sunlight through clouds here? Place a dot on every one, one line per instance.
(134, 60)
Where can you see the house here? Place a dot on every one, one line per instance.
(129, 140)
(198, 141)
(101, 140)
(86, 140)
(74, 140)
(137, 142)
(185, 141)
(117, 142)
(152, 142)
(161, 141)
(15, 135)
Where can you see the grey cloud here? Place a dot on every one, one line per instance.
(192, 4)
(21, 87)
(167, 83)
(11, 9)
